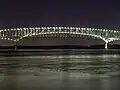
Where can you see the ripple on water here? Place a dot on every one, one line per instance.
(83, 65)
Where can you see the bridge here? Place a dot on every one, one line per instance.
(17, 34)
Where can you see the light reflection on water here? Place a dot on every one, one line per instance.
(59, 72)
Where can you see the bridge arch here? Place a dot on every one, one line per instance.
(66, 33)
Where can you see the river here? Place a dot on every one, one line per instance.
(59, 71)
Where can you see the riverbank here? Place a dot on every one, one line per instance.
(61, 47)
(26, 52)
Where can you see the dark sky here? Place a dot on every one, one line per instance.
(83, 13)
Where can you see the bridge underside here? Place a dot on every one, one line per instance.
(6, 43)
(56, 41)
(53, 41)
(37, 41)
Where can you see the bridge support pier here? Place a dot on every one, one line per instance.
(106, 45)
(15, 45)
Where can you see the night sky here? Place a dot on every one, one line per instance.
(82, 13)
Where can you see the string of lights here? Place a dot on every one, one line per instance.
(16, 34)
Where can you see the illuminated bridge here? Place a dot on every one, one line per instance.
(16, 34)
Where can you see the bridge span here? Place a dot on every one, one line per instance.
(17, 34)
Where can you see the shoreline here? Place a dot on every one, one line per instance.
(59, 49)
(40, 52)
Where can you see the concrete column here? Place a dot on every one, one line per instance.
(15, 45)
(106, 45)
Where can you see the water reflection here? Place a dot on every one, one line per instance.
(8, 68)
(59, 72)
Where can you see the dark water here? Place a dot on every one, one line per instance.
(60, 72)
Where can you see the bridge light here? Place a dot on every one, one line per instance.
(1, 30)
(36, 27)
(65, 27)
(103, 29)
(14, 28)
(111, 30)
(28, 28)
(42, 28)
(77, 28)
(68, 28)
(5, 38)
(5, 30)
(17, 40)
(73, 27)
(95, 29)
(59, 27)
(53, 27)
(33, 28)
(8, 38)
(11, 29)
(20, 37)
(23, 29)
(48, 27)
(11, 39)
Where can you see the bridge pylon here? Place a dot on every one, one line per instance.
(106, 41)
(15, 44)
(106, 45)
